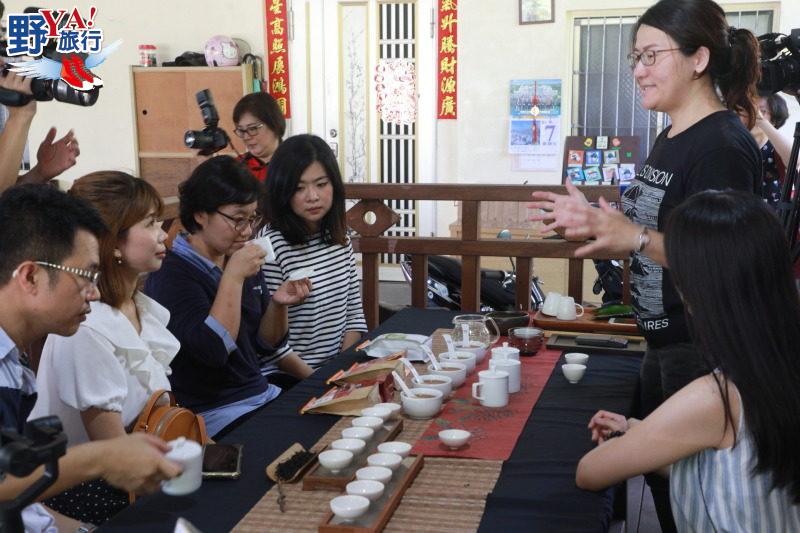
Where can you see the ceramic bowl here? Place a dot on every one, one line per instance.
(368, 488)
(378, 412)
(357, 433)
(506, 320)
(371, 422)
(474, 347)
(389, 460)
(465, 358)
(348, 506)
(394, 407)
(335, 460)
(454, 438)
(455, 371)
(400, 448)
(433, 381)
(355, 446)
(422, 407)
(573, 372)
(374, 473)
(576, 358)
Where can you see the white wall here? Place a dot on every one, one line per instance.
(494, 49)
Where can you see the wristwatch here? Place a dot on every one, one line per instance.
(644, 239)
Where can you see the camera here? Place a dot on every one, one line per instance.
(212, 138)
(780, 62)
(44, 90)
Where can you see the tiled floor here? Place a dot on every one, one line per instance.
(641, 515)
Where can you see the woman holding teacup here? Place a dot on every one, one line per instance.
(305, 205)
(731, 435)
(690, 64)
(220, 309)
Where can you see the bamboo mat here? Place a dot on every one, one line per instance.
(452, 490)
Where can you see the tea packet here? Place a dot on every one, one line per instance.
(371, 371)
(344, 401)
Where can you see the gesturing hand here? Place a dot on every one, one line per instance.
(605, 422)
(561, 210)
(53, 158)
(292, 292)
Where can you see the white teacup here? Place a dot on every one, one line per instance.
(550, 306)
(514, 369)
(379, 412)
(466, 358)
(455, 371)
(395, 409)
(573, 372)
(434, 381)
(188, 454)
(567, 309)
(493, 387)
(576, 358)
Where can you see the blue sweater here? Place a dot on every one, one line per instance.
(204, 374)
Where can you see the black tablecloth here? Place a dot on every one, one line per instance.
(536, 489)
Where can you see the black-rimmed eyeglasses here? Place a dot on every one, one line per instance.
(648, 57)
(240, 223)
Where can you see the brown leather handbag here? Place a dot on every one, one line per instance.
(168, 421)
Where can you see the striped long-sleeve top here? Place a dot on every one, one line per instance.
(318, 324)
(717, 491)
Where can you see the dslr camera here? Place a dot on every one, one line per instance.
(44, 90)
(780, 62)
(212, 138)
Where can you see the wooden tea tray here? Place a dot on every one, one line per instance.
(636, 346)
(293, 449)
(320, 478)
(380, 510)
(585, 323)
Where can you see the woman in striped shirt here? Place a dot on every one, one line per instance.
(732, 436)
(305, 204)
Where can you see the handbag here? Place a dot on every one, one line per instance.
(169, 421)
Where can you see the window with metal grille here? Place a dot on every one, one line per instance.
(398, 141)
(604, 96)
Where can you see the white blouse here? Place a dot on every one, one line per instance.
(106, 365)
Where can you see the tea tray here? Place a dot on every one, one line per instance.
(380, 510)
(585, 323)
(559, 341)
(320, 478)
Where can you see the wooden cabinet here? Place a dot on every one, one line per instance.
(165, 107)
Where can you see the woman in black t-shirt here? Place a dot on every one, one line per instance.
(684, 52)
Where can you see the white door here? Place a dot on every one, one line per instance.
(358, 52)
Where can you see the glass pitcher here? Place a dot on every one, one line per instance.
(470, 331)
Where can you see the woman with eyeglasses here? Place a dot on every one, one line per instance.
(221, 310)
(99, 380)
(261, 125)
(690, 64)
(308, 232)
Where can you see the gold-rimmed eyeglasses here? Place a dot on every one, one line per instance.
(240, 223)
(251, 130)
(91, 276)
(648, 57)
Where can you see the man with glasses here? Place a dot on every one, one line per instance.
(49, 256)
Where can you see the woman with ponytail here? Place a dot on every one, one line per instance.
(690, 64)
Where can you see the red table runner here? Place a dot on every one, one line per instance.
(494, 430)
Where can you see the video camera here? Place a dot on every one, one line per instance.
(44, 90)
(780, 62)
(43, 443)
(212, 138)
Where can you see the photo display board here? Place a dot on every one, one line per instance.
(602, 160)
